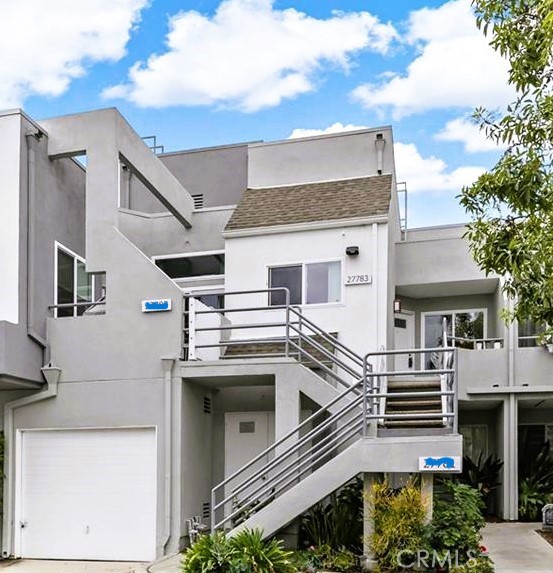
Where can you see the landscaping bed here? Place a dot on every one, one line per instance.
(547, 535)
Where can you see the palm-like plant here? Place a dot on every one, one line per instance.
(482, 474)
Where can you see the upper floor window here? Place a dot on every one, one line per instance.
(308, 283)
(528, 333)
(73, 283)
(187, 266)
(461, 326)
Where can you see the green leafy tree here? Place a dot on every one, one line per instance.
(511, 206)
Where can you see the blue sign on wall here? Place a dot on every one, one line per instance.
(440, 464)
(156, 305)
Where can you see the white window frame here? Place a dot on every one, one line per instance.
(189, 256)
(303, 265)
(60, 247)
(452, 312)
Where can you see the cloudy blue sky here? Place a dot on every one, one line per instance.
(207, 72)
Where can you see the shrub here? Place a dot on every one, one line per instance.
(536, 485)
(399, 524)
(457, 519)
(338, 523)
(325, 558)
(482, 474)
(210, 554)
(476, 565)
(246, 552)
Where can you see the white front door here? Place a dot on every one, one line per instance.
(404, 329)
(247, 434)
(87, 494)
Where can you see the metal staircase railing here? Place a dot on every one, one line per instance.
(297, 336)
(353, 414)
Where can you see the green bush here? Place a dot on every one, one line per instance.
(337, 523)
(476, 565)
(246, 552)
(482, 474)
(457, 519)
(399, 524)
(536, 485)
(325, 558)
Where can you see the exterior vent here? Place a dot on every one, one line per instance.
(198, 201)
(206, 510)
(207, 405)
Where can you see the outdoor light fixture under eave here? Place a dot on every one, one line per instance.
(379, 143)
(397, 305)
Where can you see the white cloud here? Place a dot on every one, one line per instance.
(430, 174)
(422, 174)
(455, 67)
(334, 128)
(248, 55)
(469, 134)
(45, 45)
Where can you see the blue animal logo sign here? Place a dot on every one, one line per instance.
(156, 305)
(440, 464)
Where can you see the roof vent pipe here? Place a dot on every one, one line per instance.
(379, 143)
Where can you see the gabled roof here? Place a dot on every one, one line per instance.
(312, 202)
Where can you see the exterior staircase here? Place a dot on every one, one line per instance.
(341, 439)
(423, 399)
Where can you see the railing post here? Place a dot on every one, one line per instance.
(192, 328)
(456, 391)
(213, 516)
(287, 334)
(365, 397)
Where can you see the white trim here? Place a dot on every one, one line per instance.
(452, 312)
(60, 247)
(310, 226)
(303, 265)
(188, 255)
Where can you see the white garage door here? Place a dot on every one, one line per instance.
(88, 494)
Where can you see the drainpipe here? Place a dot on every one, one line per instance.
(375, 283)
(52, 375)
(168, 364)
(31, 139)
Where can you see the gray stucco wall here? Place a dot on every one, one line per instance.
(57, 198)
(220, 174)
(197, 457)
(161, 234)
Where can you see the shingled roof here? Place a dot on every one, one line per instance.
(312, 202)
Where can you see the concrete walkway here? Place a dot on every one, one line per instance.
(51, 566)
(517, 548)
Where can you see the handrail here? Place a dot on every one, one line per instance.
(346, 417)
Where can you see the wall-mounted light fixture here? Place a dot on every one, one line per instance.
(379, 143)
(397, 305)
(352, 251)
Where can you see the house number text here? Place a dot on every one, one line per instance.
(358, 280)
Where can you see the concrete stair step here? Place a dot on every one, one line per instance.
(413, 384)
(413, 403)
(414, 423)
(414, 412)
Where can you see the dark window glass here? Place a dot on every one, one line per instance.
(289, 277)
(183, 267)
(66, 283)
(528, 328)
(323, 282)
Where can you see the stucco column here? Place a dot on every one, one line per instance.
(369, 562)
(287, 408)
(427, 490)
